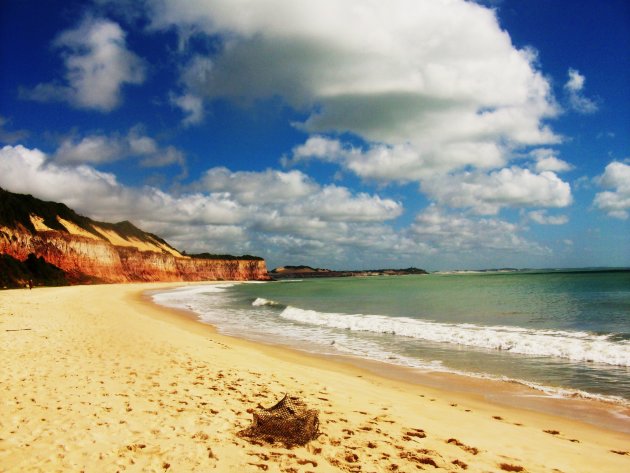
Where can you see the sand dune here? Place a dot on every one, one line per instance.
(97, 379)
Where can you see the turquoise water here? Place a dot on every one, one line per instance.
(566, 333)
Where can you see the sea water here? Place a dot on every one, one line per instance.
(563, 332)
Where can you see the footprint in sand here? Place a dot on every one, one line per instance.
(510, 467)
(460, 464)
(466, 448)
(558, 434)
(415, 433)
(418, 460)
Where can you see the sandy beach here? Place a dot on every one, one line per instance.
(97, 378)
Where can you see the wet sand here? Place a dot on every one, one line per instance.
(96, 378)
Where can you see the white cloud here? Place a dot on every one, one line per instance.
(485, 193)
(546, 160)
(10, 136)
(97, 64)
(574, 87)
(319, 147)
(401, 162)
(100, 149)
(225, 217)
(258, 187)
(541, 217)
(334, 203)
(164, 157)
(140, 144)
(94, 149)
(328, 224)
(291, 195)
(378, 162)
(439, 79)
(509, 187)
(293, 217)
(99, 194)
(191, 105)
(26, 170)
(457, 233)
(615, 203)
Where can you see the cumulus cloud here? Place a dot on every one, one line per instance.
(456, 232)
(378, 162)
(616, 203)
(508, 187)
(574, 88)
(99, 194)
(221, 211)
(484, 192)
(546, 160)
(541, 217)
(97, 64)
(258, 187)
(93, 149)
(440, 79)
(288, 195)
(402, 163)
(334, 203)
(26, 170)
(100, 149)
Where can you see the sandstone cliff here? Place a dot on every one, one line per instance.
(103, 251)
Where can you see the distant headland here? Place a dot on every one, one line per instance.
(300, 272)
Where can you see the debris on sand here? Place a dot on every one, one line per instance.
(289, 422)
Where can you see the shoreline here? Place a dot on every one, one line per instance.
(105, 380)
(604, 413)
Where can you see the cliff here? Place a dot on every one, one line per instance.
(89, 250)
(33, 271)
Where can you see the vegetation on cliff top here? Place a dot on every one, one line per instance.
(225, 257)
(17, 209)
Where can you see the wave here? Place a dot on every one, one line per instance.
(574, 346)
(181, 296)
(261, 301)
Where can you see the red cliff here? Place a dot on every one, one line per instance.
(103, 251)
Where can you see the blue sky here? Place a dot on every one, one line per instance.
(441, 134)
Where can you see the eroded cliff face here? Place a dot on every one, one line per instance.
(81, 255)
(74, 254)
(108, 252)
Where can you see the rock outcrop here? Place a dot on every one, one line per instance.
(105, 252)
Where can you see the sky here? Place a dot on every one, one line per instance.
(440, 134)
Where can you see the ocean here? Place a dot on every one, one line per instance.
(566, 333)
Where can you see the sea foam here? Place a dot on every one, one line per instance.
(575, 346)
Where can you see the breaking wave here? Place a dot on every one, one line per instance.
(574, 346)
(261, 301)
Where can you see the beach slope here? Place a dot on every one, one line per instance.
(95, 378)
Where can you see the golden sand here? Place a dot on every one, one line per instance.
(96, 379)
